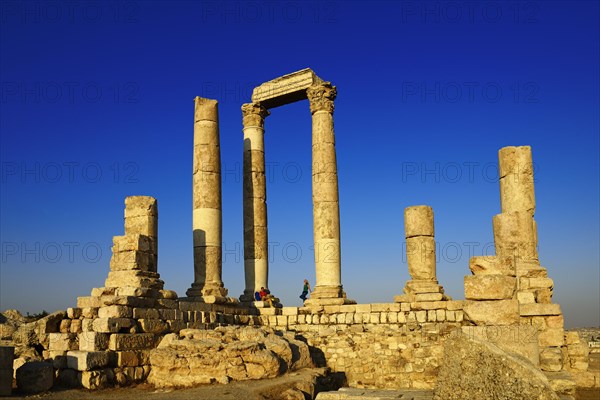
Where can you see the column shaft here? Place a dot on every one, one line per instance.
(326, 214)
(206, 193)
(256, 266)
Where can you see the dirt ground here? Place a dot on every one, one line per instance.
(267, 389)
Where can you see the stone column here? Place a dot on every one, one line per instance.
(206, 193)
(256, 266)
(515, 229)
(420, 254)
(326, 212)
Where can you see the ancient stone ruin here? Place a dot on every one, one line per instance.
(132, 329)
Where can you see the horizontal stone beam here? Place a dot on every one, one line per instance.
(286, 89)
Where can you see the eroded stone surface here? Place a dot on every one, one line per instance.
(474, 369)
(200, 356)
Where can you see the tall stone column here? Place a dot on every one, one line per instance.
(206, 194)
(256, 267)
(326, 212)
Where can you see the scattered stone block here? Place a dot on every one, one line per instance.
(493, 312)
(93, 341)
(492, 265)
(476, 369)
(489, 287)
(35, 377)
(138, 341)
(539, 309)
(87, 360)
(111, 325)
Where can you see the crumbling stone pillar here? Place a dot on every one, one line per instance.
(256, 267)
(206, 193)
(134, 261)
(326, 212)
(515, 229)
(420, 253)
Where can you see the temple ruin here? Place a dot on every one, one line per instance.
(110, 336)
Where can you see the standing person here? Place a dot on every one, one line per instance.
(305, 290)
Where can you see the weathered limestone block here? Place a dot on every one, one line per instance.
(62, 341)
(153, 326)
(489, 287)
(492, 265)
(562, 383)
(525, 297)
(475, 369)
(513, 236)
(420, 252)
(134, 242)
(138, 341)
(539, 309)
(115, 312)
(133, 260)
(142, 225)
(111, 325)
(518, 339)
(94, 380)
(236, 353)
(422, 286)
(93, 341)
(285, 89)
(552, 337)
(418, 221)
(428, 297)
(494, 312)
(551, 359)
(73, 313)
(87, 360)
(136, 206)
(133, 278)
(35, 377)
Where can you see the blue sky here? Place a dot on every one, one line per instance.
(97, 104)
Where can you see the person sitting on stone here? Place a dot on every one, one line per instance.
(257, 296)
(265, 295)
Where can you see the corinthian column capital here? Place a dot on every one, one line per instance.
(321, 97)
(254, 114)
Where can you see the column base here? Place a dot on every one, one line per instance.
(328, 296)
(209, 293)
(422, 290)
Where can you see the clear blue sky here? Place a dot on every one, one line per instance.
(97, 104)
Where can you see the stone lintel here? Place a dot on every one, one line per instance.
(286, 89)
